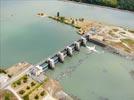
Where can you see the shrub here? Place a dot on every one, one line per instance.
(24, 81)
(26, 97)
(3, 71)
(14, 85)
(32, 83)
(9, 75)
(42, 93)
(25, 77)
(62, 19)
(18, 82)
(21, 92)
(28, 88)
(7, 97)
(36, 97)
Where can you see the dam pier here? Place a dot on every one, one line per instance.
(59, 57)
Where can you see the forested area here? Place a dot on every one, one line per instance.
(121, 4)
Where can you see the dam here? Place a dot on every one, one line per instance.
(59, 57)
(50, 62)
(97, 76)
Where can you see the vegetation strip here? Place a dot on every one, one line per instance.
(120, 4)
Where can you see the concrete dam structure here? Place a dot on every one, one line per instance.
(68, 51)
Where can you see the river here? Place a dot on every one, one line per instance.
(27, 37)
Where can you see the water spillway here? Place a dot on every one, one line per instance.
(99, 76)
(67, 51)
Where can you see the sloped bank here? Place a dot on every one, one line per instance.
(112, 49)
(103, 39)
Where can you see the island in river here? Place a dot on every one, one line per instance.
(117, 38)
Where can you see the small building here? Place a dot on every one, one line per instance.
(35, 71)
(3, 78)
(37, 74)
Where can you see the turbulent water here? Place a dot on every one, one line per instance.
(94, 76)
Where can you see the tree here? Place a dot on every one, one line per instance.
(25, 79)
(36, 97)
(3, 71)
(121, 4)
(14, 85)
(7, 97)
(42, 93)
(62, 19)
(28, 88)
(32, 83)
(18, 82)
(126, 4)
(9, 75)
(21, 92)
(26, 97)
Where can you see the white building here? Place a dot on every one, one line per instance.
(36, 70)
(3, 79)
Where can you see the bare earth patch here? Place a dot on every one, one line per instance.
(17, 68)
(117, 37)
(7, 95)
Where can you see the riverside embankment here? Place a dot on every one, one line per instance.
(92, 76)
(114, 39)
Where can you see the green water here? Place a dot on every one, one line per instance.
(26, 37)
(96, 76)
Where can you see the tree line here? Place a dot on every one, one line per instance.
(121, 4)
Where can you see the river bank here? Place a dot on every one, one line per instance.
(116, 39)
(48, 89)
(99, 5)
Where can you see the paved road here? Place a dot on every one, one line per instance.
(14, 92)
(4, 85)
